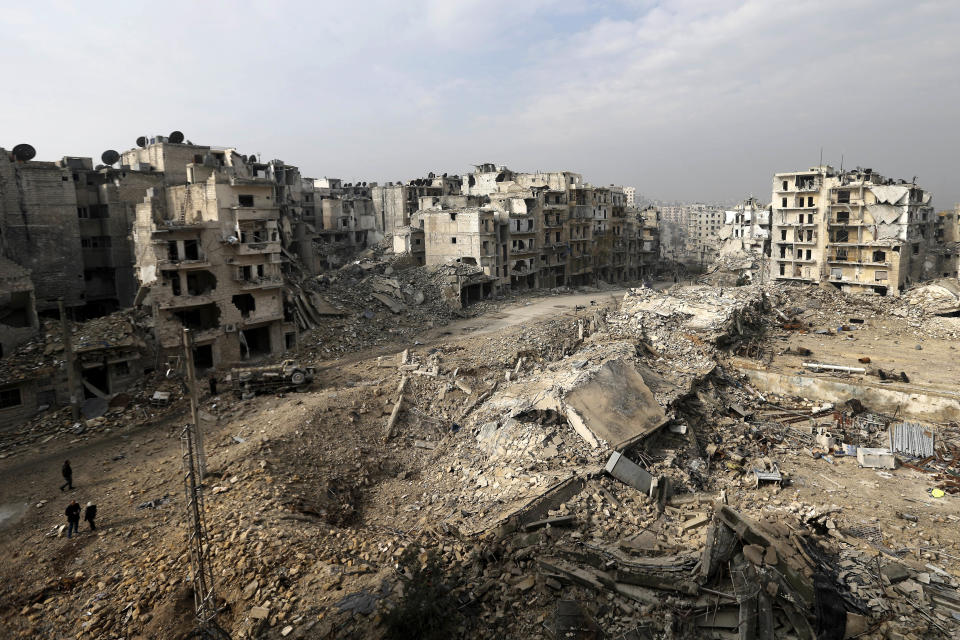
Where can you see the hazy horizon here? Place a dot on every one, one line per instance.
(686, 101)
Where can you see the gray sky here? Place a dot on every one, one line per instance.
(686, 100)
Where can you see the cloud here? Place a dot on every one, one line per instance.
(684, 99)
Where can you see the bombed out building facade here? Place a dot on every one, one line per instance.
(857, 230)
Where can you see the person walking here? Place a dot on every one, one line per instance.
(89, 514)
(67, 475)
(73, 518)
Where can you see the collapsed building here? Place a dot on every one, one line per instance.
(547, 229)
(855, 229)
(208, 259)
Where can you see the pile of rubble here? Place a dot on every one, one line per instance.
(603, 474)
(370, 302)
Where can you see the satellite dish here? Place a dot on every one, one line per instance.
(24, 152)
(253, 158)
(142, 142)
(109, 156)
(176, 137)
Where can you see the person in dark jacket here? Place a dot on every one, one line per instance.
(67, 475)
(73, 518)
(89, 514)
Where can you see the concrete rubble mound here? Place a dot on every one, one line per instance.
(611, 471)
(941, 297)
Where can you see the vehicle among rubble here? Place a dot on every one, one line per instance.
(289, 374)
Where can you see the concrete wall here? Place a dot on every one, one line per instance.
(18, 313)
(900, 399)
(39, 229)
(171, 159)
(389, 206)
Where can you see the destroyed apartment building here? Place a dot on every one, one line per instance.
(855, 229)
(778, 459)
(532, 230)
(209, 259)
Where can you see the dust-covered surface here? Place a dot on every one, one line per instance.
(313, 498)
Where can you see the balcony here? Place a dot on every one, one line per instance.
(842, 259)
(257, 248)
(167, 264)
(242, 214)
(266, 282)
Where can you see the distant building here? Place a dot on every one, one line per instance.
(855, 229)
(631, 194)
(746, 228)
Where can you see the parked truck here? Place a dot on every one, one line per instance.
(275, 377)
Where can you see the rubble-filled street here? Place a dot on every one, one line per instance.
(690, 462)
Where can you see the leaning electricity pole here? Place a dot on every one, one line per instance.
(194, 401)
(71, 365)
(205, 604)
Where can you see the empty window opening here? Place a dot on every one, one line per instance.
(783, 203)
(174, 278)
(916, 249)
(290, 340)
(255, 343)
(245, 200)
(245, 303)
(15, 309)
(843, 197)
(843, 216)
(172, 253)
(880, 256)
(784, 186)
(810, 201)
(200, 318)
(453, 240)
(200, 283)
(203, 357)
(98, 378)
(191, 249)
(10, 398)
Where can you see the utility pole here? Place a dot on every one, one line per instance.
(194, 401)
(205, 602)
(71, 365)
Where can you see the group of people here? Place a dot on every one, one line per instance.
(73, 509)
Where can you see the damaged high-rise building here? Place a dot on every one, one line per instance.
(544, 229)
(856, 229)
(208, 257)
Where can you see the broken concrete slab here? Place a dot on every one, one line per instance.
(613, 404)
(395, 306)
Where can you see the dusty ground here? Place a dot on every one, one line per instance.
(307, 504)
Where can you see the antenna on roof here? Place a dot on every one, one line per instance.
(841, 164)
